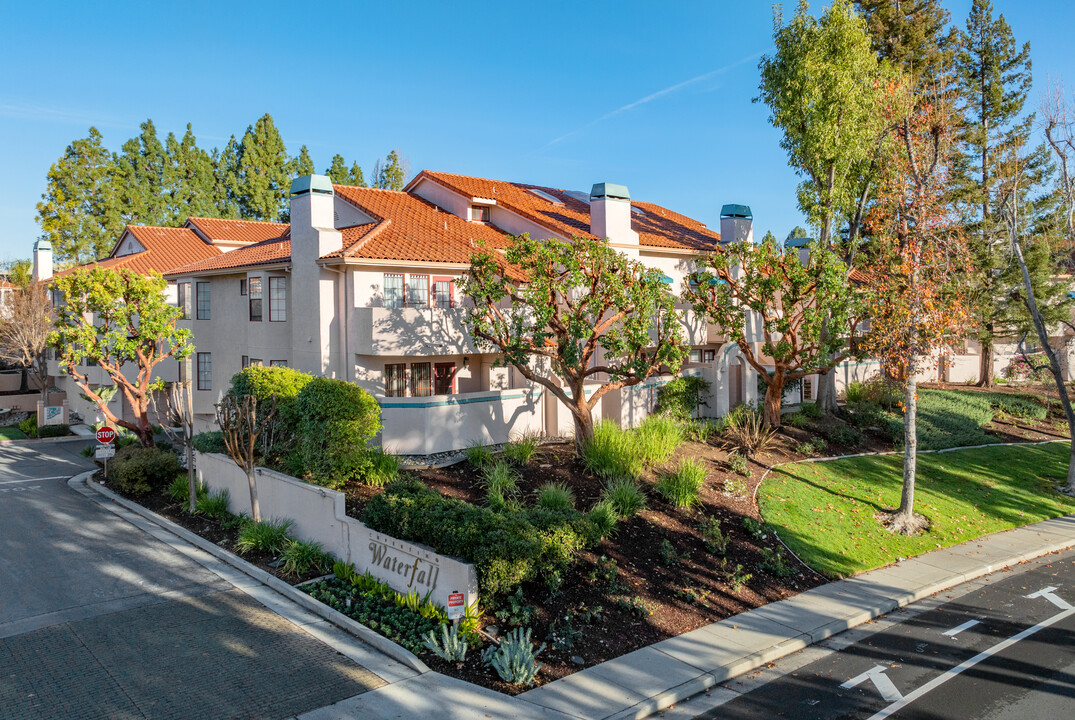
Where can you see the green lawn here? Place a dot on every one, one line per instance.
(11, 432)
(825, 511)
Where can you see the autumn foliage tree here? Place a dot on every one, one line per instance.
(121, 321)
(918, 250)
(806, 310)
(574, 316)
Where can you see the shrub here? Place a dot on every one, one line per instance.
(657, 438)
(626, 496)
(280, 384)
(877, 390)
(602, 518)
(214, 505)
(303, 556)
(268, 536)
(811, 410)
(796, 420)
(478, 455)
(680, 398)
(865, 414)
(337, 420)
(700, 430)
(775, 562)
(179, 489)
(515, 660)
(714, 538)
(500, 476)
(384, 468)
(746, 430)
(845, 435)
(737, 463)
(555, 496)
(612, 454)
(29, 426)
(507, 548)
(46, 431)
(680, 487)
(209, 442)
(522, 450)
(450, 645)
(138, 470)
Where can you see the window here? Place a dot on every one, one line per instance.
(808, 388)
(205, 370)
(418, 291)
(256, 362)
(395, 380)
(444, 379)
(254, 288)
(709, 356)
(277, 299)
(393, 291)
(696, 356)
(420, 380)
(479, 213)
(242, 286)
(246, 361)
(184, 370)
(442, 293)
(277, 363)
(203, 300)
(183, 299)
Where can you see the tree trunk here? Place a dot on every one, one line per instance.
(255, 509)
(985, 364)
(826, 392)
(192, 481)
(774, 394)
(24, 381)
(145, 430)
(583, 426)
(910, 448)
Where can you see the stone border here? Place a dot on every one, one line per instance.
(363, 633)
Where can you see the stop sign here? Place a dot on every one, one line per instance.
(106, 435)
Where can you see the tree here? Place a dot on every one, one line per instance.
(994, 77)
(824, 86)
(356, 175)
(189, 182)
(337, 171)
(576, 311)
(392, 175)
(1059, 128)
(178, 413)
(913, 35)
(303, 164)
(25, 324)
(122, 321)
(140, 179)
(240, 423)
(78, 212)
(226, 180)
(917, 251)
(791, 300)
(261, 180)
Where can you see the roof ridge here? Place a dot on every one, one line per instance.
(363, 241)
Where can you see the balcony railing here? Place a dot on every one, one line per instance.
(411, 331)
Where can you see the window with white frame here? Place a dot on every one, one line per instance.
(393, 290)
(418, 291)
(442, 293)
(277, 299)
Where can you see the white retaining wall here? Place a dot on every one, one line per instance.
(319, 515)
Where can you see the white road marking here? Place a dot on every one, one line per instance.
(985, 654)
(877, 676)
(1048, 594)
(58, 477)
(960, 628)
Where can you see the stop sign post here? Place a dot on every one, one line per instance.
(105, 436)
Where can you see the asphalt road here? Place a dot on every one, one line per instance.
(99, 619)
(1003, 650)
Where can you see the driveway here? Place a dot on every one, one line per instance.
(98, 619)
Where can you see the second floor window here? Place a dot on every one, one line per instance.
(277, 299)
(183, 299)
(254, 290)
(479, 213)
(393, 291)
(203, 300)
(442, 293)
(418, 291)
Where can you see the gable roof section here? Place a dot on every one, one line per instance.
(656, 226)
(272, 251)
(410, 228)
(244, 231)
(165, 248)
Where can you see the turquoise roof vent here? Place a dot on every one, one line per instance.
(311, 184)
(42, 244)
(736, 211)
(798, 241)
(609, 191)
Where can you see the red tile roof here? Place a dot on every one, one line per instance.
(165, 248)
(656, 226)
(273, 250)
(247, 231)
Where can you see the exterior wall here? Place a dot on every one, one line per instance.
(320, 515)
(29, 401)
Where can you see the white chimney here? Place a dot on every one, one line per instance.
(802, 245)
(610, 217)
(42, 260)
(736, 224)
(312, 216)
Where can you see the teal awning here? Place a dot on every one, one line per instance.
(665, 279)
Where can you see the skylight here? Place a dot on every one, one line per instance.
(583, 197)
(546, 196)
(637, 210)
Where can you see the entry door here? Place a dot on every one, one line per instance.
(444, 379)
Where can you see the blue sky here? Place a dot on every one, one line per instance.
(653, 95)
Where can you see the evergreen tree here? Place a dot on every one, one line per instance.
(77, 212)
(338, 172)
(261, 180)
(303, 164)
(391, 175)
(140, 179)
(189, 179)
(913, 35)
(226, 180)
(994, 78)
(356, 175)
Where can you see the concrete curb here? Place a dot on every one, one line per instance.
(363, 633)
(31, 441)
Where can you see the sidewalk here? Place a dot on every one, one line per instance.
(645, 681)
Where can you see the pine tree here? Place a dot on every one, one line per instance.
(994, 78)
(391, 175)
(303, 164)
(226, 180)
(261, 181)
(77, 212)
(356, 176)
(140, 181)
(337, 171)
(913, 35)
(189, 179)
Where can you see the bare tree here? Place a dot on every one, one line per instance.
(241, 423)
(178, 413)
(1059, 126)
(24, 330)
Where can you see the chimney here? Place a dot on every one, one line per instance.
(610, 216)
(802, 244)
(42, 260)
(736, 224)
(312, 215)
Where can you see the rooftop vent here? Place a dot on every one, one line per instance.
(736, 211)
(609, 191)
(311, 185)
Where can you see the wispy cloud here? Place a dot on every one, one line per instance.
(47, 114)
(657, 95)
